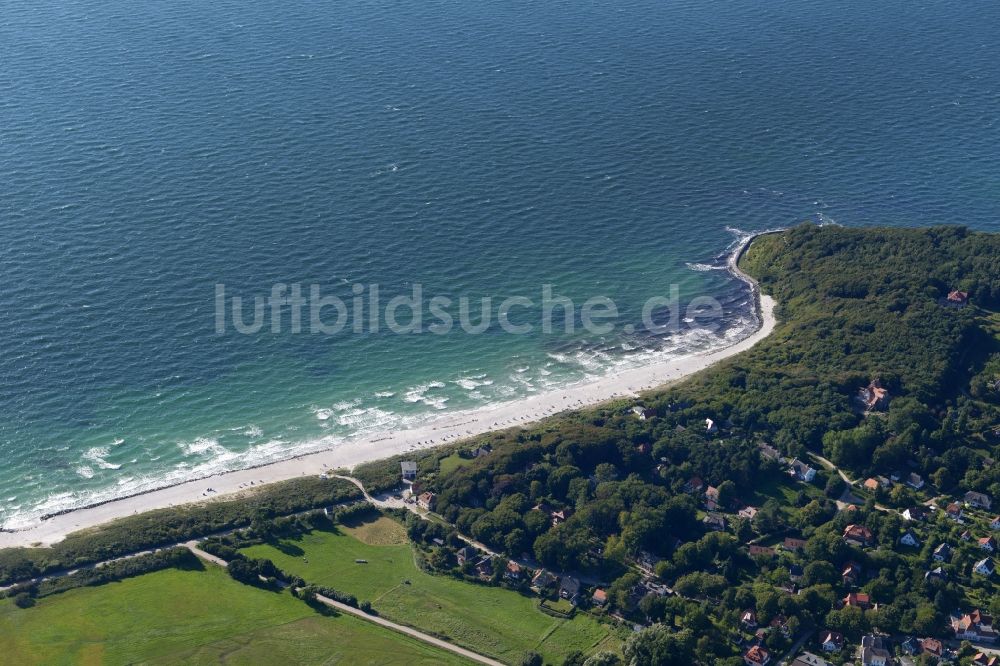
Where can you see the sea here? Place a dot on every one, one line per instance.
(153, 153)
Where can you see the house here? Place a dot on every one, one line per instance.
(749, 619)
(965, 536)
(793, 544)
(851, 574)
(978, 500)
(874, 397)
(872, 484)
(748, 512)
(943, 553)
(780, 623)
(769, 452)
(915, 514)
(831, 641)
(909, 539)
(514, 571)
(875, 651)
(954, 511)
(801, 471)
(643, 413)
(795, 573)
(464, 554)
(983, 659)
(937, 573)
(911, 646)
(409, 470)
(858, 600)
(542, 579)
(714, 521)
(995, 523)
(710, 427)
(989, 544)
(984, 567)
(915, 481)
(761, 551)
(957, 298)
(712, 495)
(560, 516)
(484, 567)
(809, 659)
(756, 656)
(932, 647)
(599, 598)
(426, 500)
(569, 588)
(694, 485)
(482, 451)
(974, 626)
(858, 535)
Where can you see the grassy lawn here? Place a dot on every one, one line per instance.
(452, 462)
(195, 617)
(493, 621)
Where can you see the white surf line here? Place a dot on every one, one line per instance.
(437, 430)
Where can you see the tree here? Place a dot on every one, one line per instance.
(658, 646)
(531, 659)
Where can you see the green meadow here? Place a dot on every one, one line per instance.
(493, 621)
(196, 617)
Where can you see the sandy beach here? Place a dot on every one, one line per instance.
(442, 430)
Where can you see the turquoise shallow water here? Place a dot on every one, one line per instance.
(149, 151)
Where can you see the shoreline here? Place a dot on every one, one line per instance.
(441, 430)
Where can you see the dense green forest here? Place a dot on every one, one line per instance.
(855, 306)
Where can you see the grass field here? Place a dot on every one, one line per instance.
(493, 621)
(452, 462)
(196, 617)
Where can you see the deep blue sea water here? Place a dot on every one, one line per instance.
(149, 151)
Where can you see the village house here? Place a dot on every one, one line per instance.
(712, 498)
(769, 452)
(801, 471)
(984, 567)
(643, 413)
(780, 623)
(858, 535)
(749, 619)
(932, 647)
(514, 571)
(761, 551)
(954, 511)
(875, 651)
(965, 536)
(560, 516)
(714, 521)
(851, 574)
(858, 600)
(831, 641)
(989, 544)
(937, 573)
(484, 567)
(995, 523)
(943, 553)
(793, 544)
(874, 397)
(910, 646)
(694, 485)
(974, 626)
(915, 481)
(757, 656)
(978, 500)
(984, 659)
(871, 484)
(542, 579)
(409, 470)
(426, 500)
(795, 573)
(569, 588)
(599, 598)
(748, 512)
(915, 514)
(809, 659)
(909, 539)
(464, 554)
(710, 427)
(957, 298)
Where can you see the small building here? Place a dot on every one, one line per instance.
(748, 512)
(984, 659)
(851, 575)
(694, 485)
(599, 598)
(714, 521)
(937, 573)
(484, 567)
(858, 600)
(954, 511)
(409, 470)
(710, 427)
(932, 647)
(569, 588)
(858, 535)
(769, 452)
(427, 500)
(874, 397)
(761, 551)
(831, 641)
(542, 579)
(943, 553)
(514, 571)
(756, 656)
(910, 539)
(978, 500)
(975, 626)
(464, 554)
(801, 471)
(985, 567)
(793, 544)
(875, 651)
(995, 523)
(957, 298)
(749, 619)
(643, 413)
(989, 544)
(915, 514)
(915, 481)
(809, 659)
(871, 484)
(795, 573)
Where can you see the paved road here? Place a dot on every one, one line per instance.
(413, 633)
